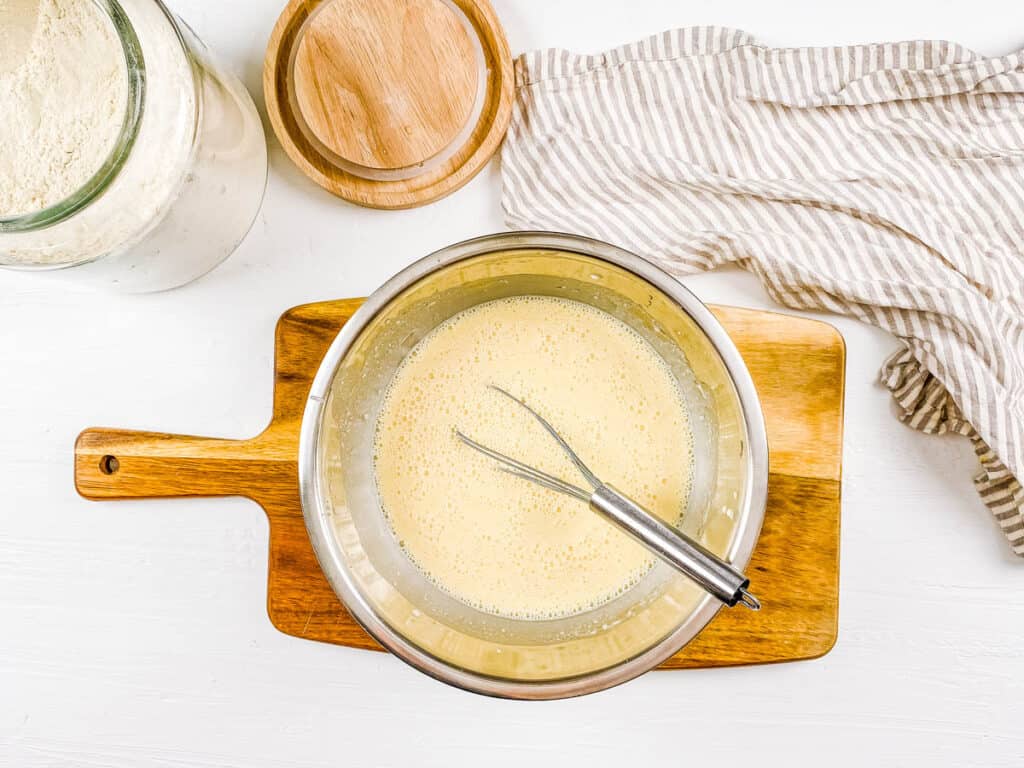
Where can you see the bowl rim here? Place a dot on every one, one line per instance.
(328, 552)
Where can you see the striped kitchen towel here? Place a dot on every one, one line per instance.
(885, 182)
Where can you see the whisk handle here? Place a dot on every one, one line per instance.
(673, 546)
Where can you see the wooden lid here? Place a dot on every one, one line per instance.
(389, 103)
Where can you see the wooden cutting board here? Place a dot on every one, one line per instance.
(798, 367)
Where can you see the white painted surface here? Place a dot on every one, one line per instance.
(134, 634)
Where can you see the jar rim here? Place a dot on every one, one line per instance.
(103, 177)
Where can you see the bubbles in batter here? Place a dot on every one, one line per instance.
(499, 543)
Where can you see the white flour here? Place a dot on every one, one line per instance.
(63, 90)
(190, 187)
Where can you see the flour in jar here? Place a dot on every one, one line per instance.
(63, 94)
(499, 543)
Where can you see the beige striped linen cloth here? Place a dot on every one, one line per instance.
(884, 182)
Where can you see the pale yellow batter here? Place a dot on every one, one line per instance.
(500, 543)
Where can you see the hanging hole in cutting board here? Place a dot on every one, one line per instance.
(109, 465)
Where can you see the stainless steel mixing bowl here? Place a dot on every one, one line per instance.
(404, 610)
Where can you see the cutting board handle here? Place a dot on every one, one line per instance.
(123, 464)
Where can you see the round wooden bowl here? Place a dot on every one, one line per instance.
(389, 103)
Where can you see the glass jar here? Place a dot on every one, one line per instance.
(182, 183)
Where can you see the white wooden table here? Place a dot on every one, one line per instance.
(134, 634)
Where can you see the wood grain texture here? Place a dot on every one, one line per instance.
(399, 94)
(798, 367)
(388, 83)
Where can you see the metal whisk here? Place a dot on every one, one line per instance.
(673, 546)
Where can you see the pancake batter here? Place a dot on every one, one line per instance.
(499, 543)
